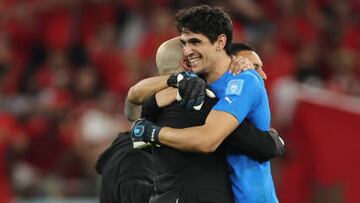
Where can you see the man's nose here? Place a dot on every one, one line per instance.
(187, 50)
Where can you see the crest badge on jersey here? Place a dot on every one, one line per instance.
(234, 87)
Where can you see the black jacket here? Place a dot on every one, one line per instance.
(127, 173)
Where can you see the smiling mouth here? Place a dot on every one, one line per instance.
(193, 61)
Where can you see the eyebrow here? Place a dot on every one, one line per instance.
(191, 41)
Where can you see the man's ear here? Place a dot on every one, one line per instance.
(221, 41)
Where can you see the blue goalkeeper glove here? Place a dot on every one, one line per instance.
(144, 134)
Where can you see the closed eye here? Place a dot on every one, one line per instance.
(194, 41)
(182, 43)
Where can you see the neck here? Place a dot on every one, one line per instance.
(221, 65)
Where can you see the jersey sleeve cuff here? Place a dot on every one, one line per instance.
(150, 108)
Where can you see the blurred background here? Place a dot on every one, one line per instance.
(66, 66)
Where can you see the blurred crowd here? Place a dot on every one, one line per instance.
(66, 66)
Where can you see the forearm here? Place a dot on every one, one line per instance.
(249, 140)
(131, 111)
(166, 96)
(205, 138)
(184, 139)
(145, 88)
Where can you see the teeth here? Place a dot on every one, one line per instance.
(194, 61)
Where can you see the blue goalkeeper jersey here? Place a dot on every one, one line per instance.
(244, 96)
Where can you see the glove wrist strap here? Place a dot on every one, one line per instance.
(154, 136)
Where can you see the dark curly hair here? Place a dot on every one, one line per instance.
(206, 20)
(237, 47)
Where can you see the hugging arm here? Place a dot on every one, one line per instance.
(142, 90)
(259, 145)
(138, 93)
(146, 87)
(245, 139)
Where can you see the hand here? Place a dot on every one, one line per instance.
(279, 142)
(239, 64)
(261, 72)
(192, 92)
(192, 89)
(175, 78)
(144, 134)
(209, 93)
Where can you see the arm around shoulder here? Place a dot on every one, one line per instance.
(145, 88)
(205, 138)
(251, 141)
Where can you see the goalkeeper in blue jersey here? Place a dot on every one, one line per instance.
(206, 35)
